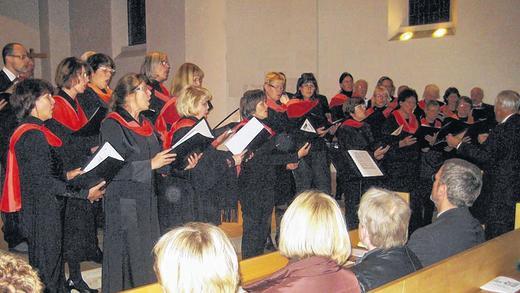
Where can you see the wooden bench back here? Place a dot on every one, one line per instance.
(466, 271)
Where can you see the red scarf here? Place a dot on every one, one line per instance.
(445, 109)
(11, 195)
(352, 123)
(65, 114)
(168, 115)
(408, 126)
(437, 123)
(275, 106)
(144, 130)
(163, 95)
(181, 123)
(298, 108)
(422, 104)
(386, 112)
(338, 100)
(106, 97)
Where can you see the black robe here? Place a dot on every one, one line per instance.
(156, 104)
(258, 184)
(499, 158)
(80, 241)
(130, 206)
(353, 184)
(43, 188)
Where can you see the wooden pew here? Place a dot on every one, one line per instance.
(466, 271)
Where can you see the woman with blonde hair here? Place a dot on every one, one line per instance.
(383, 229)
(314, 237)
(187, 74)
(196, 257)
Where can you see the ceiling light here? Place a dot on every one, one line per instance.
(439, 33)
(406, 36)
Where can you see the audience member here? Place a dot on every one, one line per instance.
(499, 157)
(16, 276)
(314, 237)
(457, 185)
(383, 229)
(196, 257)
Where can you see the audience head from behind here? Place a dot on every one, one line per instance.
(307, 86)
(346, 83)
(187, 74)
(407, 100)
(131, 93)
(383, 219)
(381, 97)
(355, 108)
(253, 104)
(274, 85)
(360, 88)
(507, 103)
(72, 74)
(197, 257)
(156, 66)
(314, 225)
(388, 83)
(16, 276)
(431, 92)
(103, 69)
(313, 235)
(33, 97)
(457, 184)
(194, 101)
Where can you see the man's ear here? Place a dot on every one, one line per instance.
(442, 192)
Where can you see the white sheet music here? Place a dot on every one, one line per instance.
(364, 162)
(107, 150)
(397, 131)
(200, 128)
(502, 284)
(238, 142)
(307, 126)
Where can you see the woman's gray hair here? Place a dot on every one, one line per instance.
(509, 100)
(463, 181)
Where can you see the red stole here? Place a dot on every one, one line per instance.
(447, 112)
(422, 104)
(298, 108)
(386, 112)
(168, 115)
(275, 106)
(106, 97)
(408, 126)
(65, 114)
(338, 100)
(144, 130)
(352, 123)
(163, 95)
(437, 123)
(11, 195)
(181, 123)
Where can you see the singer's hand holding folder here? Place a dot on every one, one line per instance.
(104, 166)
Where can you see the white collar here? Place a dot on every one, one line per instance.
(505, 119)
(9, 74)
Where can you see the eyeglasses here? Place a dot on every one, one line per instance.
(276, 87)
(22, 57)
(309, 85)
(107, 69)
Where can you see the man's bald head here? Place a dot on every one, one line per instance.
(360, 88)
(431, 92)
(477, 95)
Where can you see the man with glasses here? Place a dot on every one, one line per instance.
(16, 64)
(456, 186)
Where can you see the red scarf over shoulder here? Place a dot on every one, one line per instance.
(168, 115)
(106, 97)
(408, 126)
(181, 123)
(338, 100)
(352, 123)
(65, 114)
(144, 130)
(11, 194)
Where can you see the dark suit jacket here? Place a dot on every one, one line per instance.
(499, 158)
(5, 82)
(454, 231)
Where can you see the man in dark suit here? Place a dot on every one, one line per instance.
(17, 64)
(481, 110)
(499, 157)
(457, 185)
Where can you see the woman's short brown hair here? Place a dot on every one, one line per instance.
(67, 72)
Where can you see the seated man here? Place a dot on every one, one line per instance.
(457, 185)
(383, 229)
